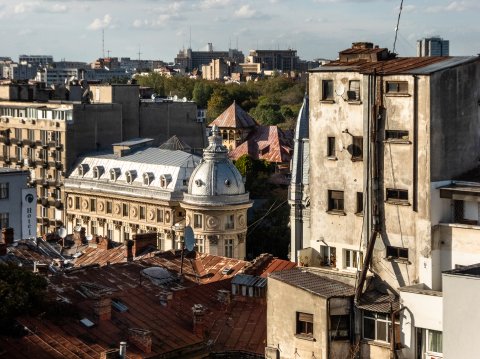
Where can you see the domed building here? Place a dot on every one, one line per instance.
(216, 203)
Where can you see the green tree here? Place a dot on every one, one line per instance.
(245, 165)
(201, 93)
(219, 101)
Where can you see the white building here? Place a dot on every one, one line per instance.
(15, 197)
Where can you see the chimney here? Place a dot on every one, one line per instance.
(103, 308)
(123, 350)
(110, 354)
(129, 247)
(103, 243)
(141, 338)
(7, 235)
(198, 320)
(142, 241)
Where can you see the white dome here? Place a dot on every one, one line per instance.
(216, 175)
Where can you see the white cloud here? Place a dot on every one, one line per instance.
(28, 7)
(160, 22)
(454, 6)
(210, 4)
(98, 23)
(245, 12)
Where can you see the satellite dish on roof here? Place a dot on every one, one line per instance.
(89, 237)
(62, 232)
(189, 238)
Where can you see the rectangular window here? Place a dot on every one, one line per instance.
(197, 220)
(353, 259)
(396, 87)
(77, 202)
(109, 207)
(19, 153)
(200, 245)
(18, 134)
(396, 135)
(93, 226)
(359, 203)
(335, 201)
(327, 90)
(328, 256)
(125, 210)
(304, 324)
(229, 248)
(126, 234)
(434, 341)
(142, 212)
(93, 204)
(397, 253)
(230, 222)
(331, 151)
(376, 326)
(159, 215)
(109, 233)
(43, 137)
(4, 190)
(397, 195)
(31, 135)
(4, 220)
(339, 327)
(353, 92)
(357, 148)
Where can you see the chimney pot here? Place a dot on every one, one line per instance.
(198, 320)
(103, 308)
(123, 350)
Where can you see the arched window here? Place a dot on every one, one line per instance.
(114, 174)
(165, 180)
(82, 169)
(130, 176)
(148, 178)
(98, 171)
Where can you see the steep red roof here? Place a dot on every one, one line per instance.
(234, 117)
(265, 143)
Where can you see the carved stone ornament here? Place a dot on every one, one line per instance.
(241, 220)
(84, 204)
(118, 208)
(101, 206)
(133, 212)
(70, 202)
(212, 222)
(151, 214)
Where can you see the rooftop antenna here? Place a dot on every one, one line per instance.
(108, 53)
(139, 53)
(396, 28)
(229, 42)
(190, 39)
(103, 43)
(237, 43)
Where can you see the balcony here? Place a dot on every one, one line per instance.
(5, 140)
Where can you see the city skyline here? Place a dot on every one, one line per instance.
(158, 29)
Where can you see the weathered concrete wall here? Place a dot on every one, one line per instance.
(162, 120)
(456, 119)
(94, 127)
(283, 303)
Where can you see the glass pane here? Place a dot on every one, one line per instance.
(435, 341)
(369, 328)
(382, 331)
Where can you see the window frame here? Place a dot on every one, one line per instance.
(4, 190)
(230, 221)
(354, 256)
(331, 149)
(357, 148)
(304, 324)
(396, 87)
(397, 136)
(328, 256)
(336, 205)
(4, 220)
(351, 91)
(428, 348)
(197, 220)
(328, 90)
(398, 193)
(359, 203)
(340, 319)
(228, 248)
(396, 253)
(377, 318)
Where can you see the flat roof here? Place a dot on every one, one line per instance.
(467, 271)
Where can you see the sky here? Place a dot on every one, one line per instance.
(158, 29)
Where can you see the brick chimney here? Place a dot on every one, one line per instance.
(142, 241)
(103, 308)
(198, 311)
(141, 338)
(103, 242)
(7, 235)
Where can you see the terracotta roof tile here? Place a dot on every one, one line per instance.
(265, 143)
(234, 117)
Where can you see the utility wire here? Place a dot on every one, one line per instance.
(398, 23)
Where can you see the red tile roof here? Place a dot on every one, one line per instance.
(234, 117)
(266, 143)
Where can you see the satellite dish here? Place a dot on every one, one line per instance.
(78, 228)
(89, 237)
(189, 238)
(340, 90)
(175, 98)
(184, 99)
(62, 232)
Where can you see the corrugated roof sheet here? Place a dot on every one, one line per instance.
(313, 283)
(234, 117)
(376, 301)
(398, 65)
(175, 143)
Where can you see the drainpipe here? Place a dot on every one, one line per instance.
(328, 328)
(393, 354)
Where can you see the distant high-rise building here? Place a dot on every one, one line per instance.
(189, 60)
(36, 60)
(433, 46)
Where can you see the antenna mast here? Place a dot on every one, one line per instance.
(103, 43)
(398, 23)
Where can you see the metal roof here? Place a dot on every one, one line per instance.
(234, 117)
(376, 301)
(133, 142)
(314, 283)
(249, 280)
(397, 65)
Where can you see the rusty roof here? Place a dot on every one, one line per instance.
(314, 283)
(266, 143)
(397, 65)
(234, 117)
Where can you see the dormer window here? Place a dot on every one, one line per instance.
(114, 174)
(98, 171)
(165, 180)
(130, 176)
(82, 169)
(148, 178)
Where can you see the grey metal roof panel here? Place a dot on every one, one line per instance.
(447, 63)
(314, 283)
(245, 279)
(133, 141)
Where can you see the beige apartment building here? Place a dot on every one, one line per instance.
(391, 198)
